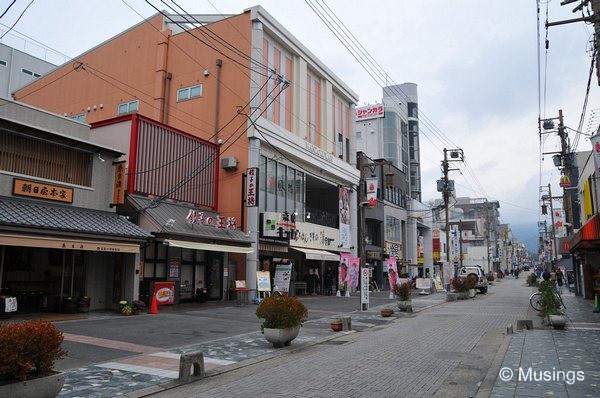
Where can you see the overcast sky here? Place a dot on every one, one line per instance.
(474, 61)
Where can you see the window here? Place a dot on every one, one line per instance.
(128, 107)
(2, 63)
(358, 135)
(36, 74)
(189, 93)
(79, 118)
(27, 72)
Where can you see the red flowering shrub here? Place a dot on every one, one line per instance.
(28, 349)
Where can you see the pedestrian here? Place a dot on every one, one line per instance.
(559, 277)
(546, 275)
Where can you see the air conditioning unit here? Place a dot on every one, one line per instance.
(229, 163)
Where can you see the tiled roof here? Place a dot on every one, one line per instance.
(178, 211)
(33, 214)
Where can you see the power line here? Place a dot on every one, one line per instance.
(8, 8)
(18, 19)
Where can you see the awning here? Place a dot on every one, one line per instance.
(588, 236)
(68, 244)
(209, 246)
(268, 247)
(314, 254)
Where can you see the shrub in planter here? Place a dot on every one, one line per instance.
(281, 312)
(402, 291)
(126, 310)
(491, 278)
(28, 350)
(122, 304)
(336, 325)
(459, 286)
(138, 306)
(532, 280)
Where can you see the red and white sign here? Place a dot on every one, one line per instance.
(371, 191)
(369, 112)
(251, 187)
(596, 150)
(164, 293)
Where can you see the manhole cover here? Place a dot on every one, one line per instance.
(334, 342)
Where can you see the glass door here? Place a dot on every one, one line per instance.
(215, 276)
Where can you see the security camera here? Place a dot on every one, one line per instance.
(220, 141)
(206, 72)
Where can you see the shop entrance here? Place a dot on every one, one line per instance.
(214, 276)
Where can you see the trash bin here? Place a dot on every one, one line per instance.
(201, 295)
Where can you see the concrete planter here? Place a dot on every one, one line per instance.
(336, 326)
(42, 387)
(281, 337)
(463, 295)
(471, 293)
(557, 321)
(404, 305)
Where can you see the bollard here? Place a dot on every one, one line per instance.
(597, 309)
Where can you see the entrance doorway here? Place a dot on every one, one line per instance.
(214, 277)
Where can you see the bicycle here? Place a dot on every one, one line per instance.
(537, 303)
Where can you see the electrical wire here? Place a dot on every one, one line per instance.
(8, 8)
(18, 19)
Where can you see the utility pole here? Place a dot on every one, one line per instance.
(446, 186)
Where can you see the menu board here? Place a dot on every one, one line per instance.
(283, 274)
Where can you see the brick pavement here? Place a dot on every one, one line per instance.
(544, 362)
(411, 357)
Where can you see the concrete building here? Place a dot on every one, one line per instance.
(389, 131)
(243, 82)
(18, 69)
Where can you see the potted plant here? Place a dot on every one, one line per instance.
(282, 318)
(532, 280)
(491, 278)
(69, 305)
(402, 292)
(551, 305)
(126, 310)
(336, 325)
(386, 312)
(459, 286)
(138, 307)
(27, 354)
(470, 284)
(83, 304)
(122, 304)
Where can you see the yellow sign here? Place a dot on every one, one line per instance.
(42, 191)
(119, 187)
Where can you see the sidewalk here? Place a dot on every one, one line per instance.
(559, 363)
(154, 368)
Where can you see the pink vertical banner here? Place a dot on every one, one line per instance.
(392, 271)
(353, 272)
(343, 270)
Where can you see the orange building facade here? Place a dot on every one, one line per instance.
(244, 83)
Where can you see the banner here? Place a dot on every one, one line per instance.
(353, 270)
(371, 191)
(559, 223)
(392, 271)
(343, 270)
(364, 288)
(344, 210)
(455, 243)
(420, 250)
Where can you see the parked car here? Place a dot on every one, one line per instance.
(476, 273)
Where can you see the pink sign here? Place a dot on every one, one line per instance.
(392, 271)
(343, 271)
(353, 272)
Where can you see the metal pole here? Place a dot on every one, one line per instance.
(445, 194)
(555, 250)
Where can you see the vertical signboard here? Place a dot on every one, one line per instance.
(283, 274)
(596, 150)
(392, 271)
(435, 235)
(252, 187)
(119, 184)
(353, 270)
(343, 271)
(371, 191)
(364, 289)
(455, 243)
(344, 209)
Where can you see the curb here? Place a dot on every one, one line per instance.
(485, 389)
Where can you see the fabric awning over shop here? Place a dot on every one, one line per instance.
(588, 236)
(68, 244)
(209, 246)
(314, 254)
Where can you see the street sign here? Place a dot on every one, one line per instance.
(364, 289)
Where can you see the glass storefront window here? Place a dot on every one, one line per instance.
(290, 204)
(281, 186)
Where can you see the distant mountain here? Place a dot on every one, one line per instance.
(528, 234)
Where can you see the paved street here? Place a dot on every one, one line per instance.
(444, 349)
(412, 356)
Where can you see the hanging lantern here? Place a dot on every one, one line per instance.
(565, 181)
